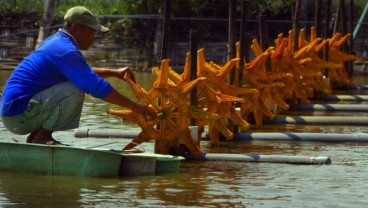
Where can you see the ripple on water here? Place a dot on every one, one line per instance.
(205, 184)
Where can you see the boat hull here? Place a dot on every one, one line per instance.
(64, 160)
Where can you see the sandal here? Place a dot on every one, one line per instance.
(48, 141)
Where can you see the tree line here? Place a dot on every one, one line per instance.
(206, 16)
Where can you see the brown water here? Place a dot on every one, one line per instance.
(344, 183)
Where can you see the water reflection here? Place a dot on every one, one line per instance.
(204, 184)
(94, 110)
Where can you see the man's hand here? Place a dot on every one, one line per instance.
(145, 111)
(121, 73)
(116, 98)
(125, 72)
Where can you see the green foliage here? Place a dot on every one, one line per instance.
(124, 28)
(20, 6)
(137, 31)
(195, 8)
(121, 30)
(271, 7)
(112, 6)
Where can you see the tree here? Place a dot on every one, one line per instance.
(45, 21)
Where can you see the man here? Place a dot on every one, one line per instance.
(46, 90)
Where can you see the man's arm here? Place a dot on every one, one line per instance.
(118, 73)
(118, 99)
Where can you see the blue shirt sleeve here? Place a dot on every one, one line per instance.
(57, 59)
(74, 67)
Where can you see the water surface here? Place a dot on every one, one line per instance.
(202, 184)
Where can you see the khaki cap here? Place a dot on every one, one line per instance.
(83, 16)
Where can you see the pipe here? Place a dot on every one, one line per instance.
(311, 137)
(267, 158)
(119, 133)
(344, 98)
(266, 136)
(358, 87)
(106, 133)
(340, 120)
(332, 107)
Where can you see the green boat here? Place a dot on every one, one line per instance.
(67, 160)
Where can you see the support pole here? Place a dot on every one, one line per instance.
(163, 146)
(349, 47)
(243, 50)
(243, 43)
(165, 35)
(344, 30)
(318, 17)
(360, 21)
(344, 27)
(193, 68)
(231, 37)
(263, 31)
(232, 48)
(351, 26)
(296, 25)
(337, 19)
(327, 19)
(326, 51)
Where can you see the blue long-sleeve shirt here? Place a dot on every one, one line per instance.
(57, 59)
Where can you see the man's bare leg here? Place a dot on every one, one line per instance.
(31, 136)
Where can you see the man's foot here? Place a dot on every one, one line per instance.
(48, 141)
(42, 136)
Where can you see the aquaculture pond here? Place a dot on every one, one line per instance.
(343, 183)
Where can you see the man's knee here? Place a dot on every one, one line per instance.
(69, 89)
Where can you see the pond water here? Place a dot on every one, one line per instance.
(202, 184)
